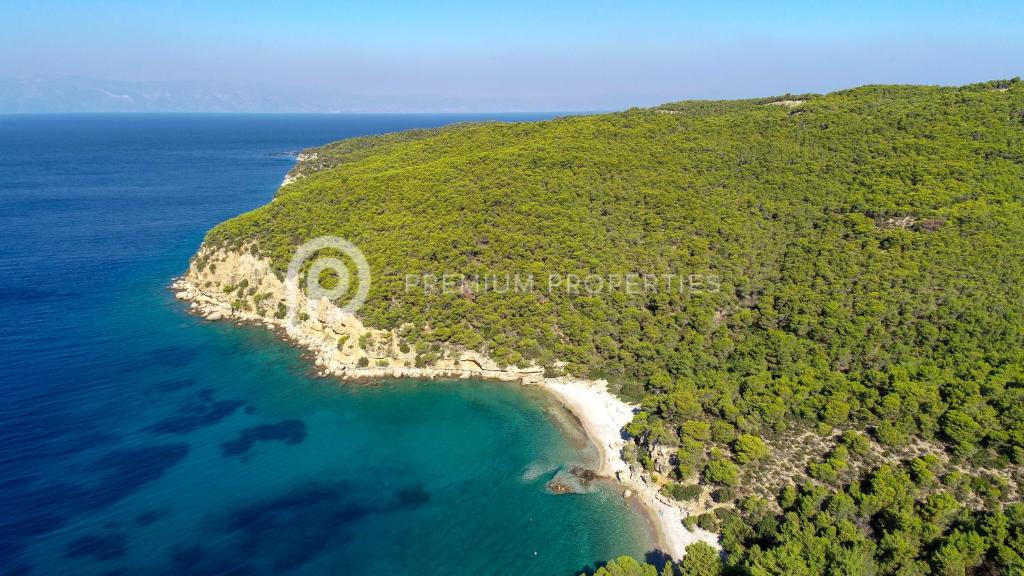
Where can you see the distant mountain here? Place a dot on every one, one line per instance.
(82, 94)
(77, 94)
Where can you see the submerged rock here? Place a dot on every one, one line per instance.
(574, 481)
(556, 487)
(585, 475)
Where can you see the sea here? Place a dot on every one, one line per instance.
(138, 439)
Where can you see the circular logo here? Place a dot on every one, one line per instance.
(327, 256)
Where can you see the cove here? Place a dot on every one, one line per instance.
(137, 438)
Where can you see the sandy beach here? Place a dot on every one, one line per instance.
(603, 416)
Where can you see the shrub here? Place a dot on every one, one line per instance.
(701, 560)
(722, 431)
(696, 429)
(723, 472)
(682, 492)
(707, 521)
(724, 494)
(749, 448)
(857, 443)
(890, 434)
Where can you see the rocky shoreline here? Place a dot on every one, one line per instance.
(239, 286)
(222, 284)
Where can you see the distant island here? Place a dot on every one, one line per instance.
(793, 326)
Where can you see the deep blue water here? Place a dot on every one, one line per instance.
(137, 439)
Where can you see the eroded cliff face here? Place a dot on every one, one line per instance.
(223, 284)
(300, 168)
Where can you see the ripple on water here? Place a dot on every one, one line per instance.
(175, 356)
(176, 384)
(99, 547)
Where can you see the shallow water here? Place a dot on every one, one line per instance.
(139, 439)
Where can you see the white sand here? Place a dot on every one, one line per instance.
(603, 416)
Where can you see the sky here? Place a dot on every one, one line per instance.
(402, 56)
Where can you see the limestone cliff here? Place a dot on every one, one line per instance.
(223, 284)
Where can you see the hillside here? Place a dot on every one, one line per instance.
(858, 257)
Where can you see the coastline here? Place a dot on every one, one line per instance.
(602, 416)
(332, 340)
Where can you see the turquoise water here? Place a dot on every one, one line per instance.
(137, 439)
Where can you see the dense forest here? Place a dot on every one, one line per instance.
(861, 266)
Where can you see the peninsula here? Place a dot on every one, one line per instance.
(793, 326)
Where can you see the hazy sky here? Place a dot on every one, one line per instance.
(509, 55)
